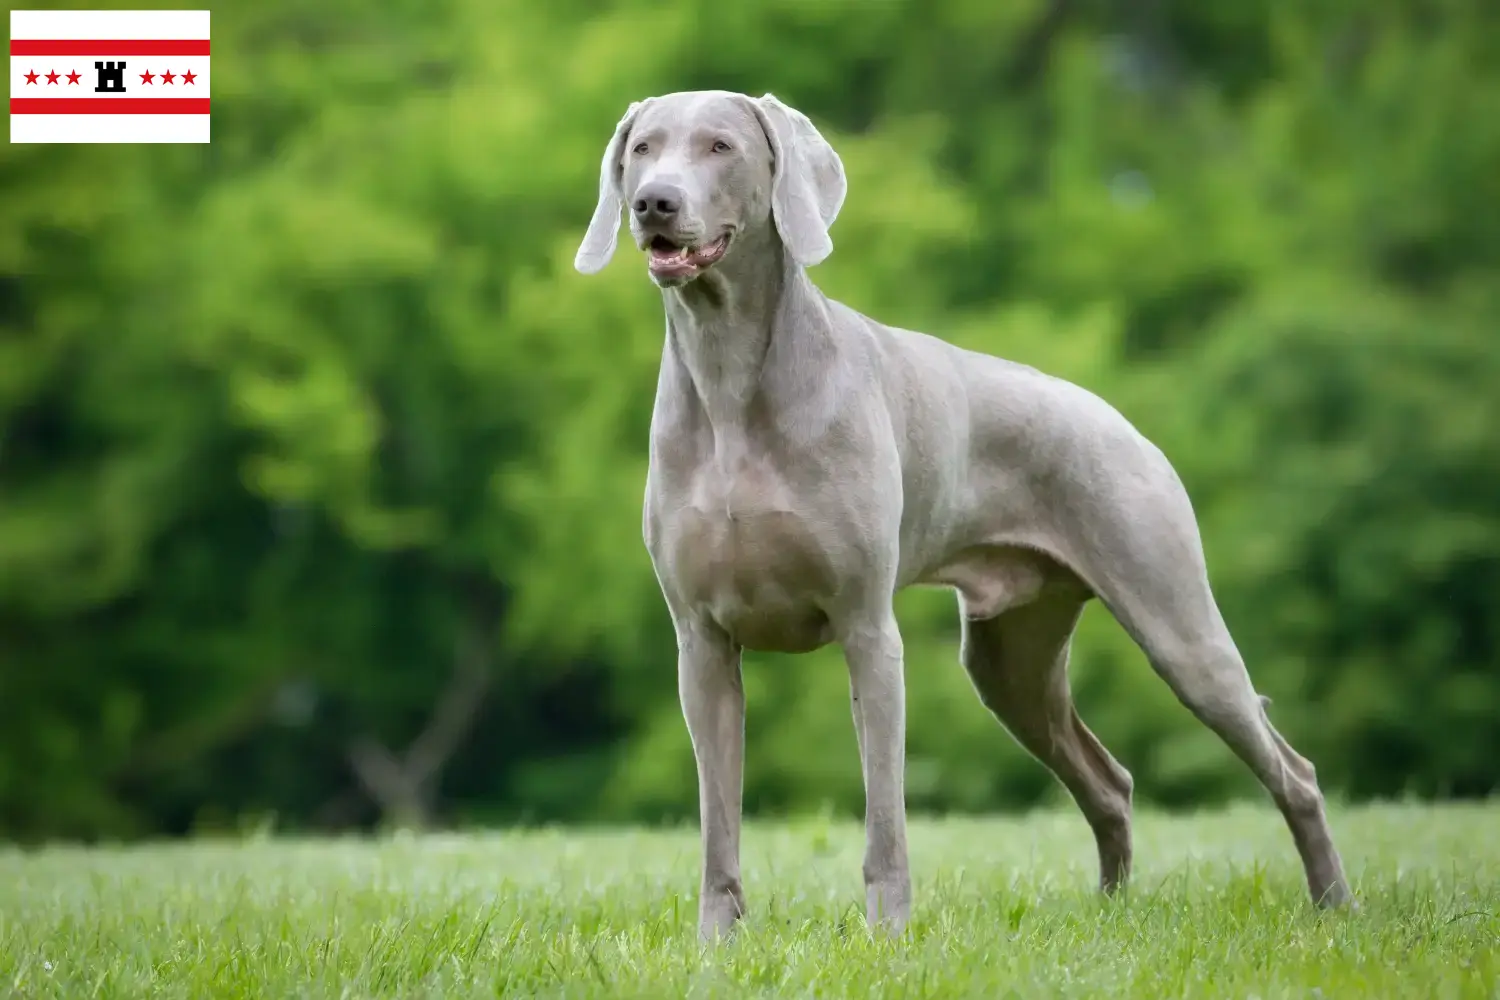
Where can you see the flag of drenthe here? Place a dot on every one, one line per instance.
(109, 76)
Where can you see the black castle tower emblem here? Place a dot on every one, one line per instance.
(111, 77)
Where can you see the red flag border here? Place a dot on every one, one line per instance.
(107, 47)
(109, 105)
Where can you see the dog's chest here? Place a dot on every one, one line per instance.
(743, 548)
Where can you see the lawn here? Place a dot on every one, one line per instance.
(1004, 909)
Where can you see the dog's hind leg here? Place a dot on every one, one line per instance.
(1018, 661)
(1205, 671)
(1153, 579)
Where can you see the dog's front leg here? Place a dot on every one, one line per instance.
(873, 650)
(713, 703)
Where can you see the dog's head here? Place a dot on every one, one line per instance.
(697, 171)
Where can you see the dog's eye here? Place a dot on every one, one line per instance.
(721, 146)
(640, 148)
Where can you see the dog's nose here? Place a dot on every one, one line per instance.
(657, 203)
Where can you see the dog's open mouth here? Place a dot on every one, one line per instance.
(667, 259)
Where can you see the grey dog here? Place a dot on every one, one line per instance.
(806, 462)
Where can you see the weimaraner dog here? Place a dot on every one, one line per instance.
(806, 462)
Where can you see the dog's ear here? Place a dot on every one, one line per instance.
(808, 185)
(598, 244)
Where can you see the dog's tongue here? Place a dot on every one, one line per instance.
(673, 262)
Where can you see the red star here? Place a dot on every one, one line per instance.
(52, 77)
(31, 77)
(189, 77)
(167, 77)
(73, 77)
(147, 76)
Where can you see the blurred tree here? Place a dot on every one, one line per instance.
(320, 469)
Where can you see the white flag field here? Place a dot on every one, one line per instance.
(109, 76)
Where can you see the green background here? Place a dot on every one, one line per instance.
(321, 468)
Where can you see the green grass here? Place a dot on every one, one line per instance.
(1004, 908)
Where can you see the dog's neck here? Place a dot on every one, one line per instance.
(720, 326)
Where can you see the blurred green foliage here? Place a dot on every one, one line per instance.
(299, 427)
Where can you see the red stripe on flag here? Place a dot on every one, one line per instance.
(104, 47)
(109, 105)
